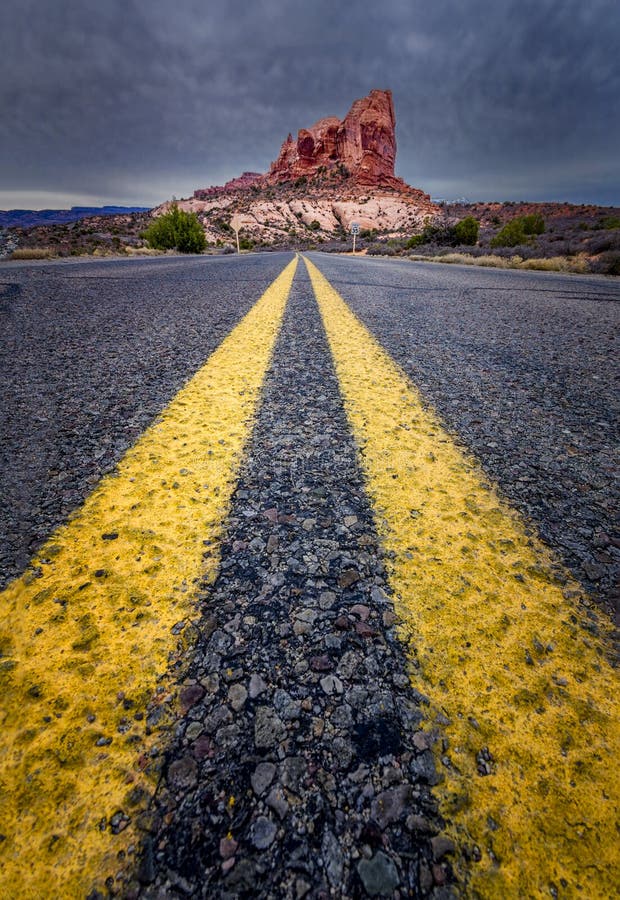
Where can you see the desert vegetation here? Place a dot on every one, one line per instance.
(176, 230)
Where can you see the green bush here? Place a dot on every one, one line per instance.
(314, 225)
(611, 222)
(466, 231)
(534, 224)
(518, 230)
(176, 230)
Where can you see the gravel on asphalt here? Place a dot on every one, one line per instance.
(524, 369)
(90, 353)
(300, 767)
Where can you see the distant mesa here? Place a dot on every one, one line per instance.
(29, 218)
(335, 172)
(364, 142)
(361, 149)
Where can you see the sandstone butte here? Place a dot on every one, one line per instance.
(336, 172)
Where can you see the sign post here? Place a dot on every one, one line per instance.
(355, 230)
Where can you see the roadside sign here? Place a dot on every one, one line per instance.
(355, 228)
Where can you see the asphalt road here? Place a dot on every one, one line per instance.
(299, 642)
(90, 352)
(523, 367)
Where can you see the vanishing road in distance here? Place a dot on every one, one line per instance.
(309, 569)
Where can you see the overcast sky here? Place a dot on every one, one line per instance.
(133, 101)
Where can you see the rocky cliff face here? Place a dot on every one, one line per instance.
(363, 143)
(334, 173)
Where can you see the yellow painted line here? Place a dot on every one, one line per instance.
(498, 642)
(85, 635)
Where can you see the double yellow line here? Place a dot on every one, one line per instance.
(523, 696)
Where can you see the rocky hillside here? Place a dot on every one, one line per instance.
(334, 173)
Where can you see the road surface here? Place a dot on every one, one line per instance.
(323, 556)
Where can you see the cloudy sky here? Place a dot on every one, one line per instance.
(134, 101)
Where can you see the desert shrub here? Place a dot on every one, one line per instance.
(600, 243)
(466, 231)
(517, 231)
(32, 253)
(245, 243)
(314, 225)
(533, 224)
(611, 222)
(606, 264)
(556, 264)
(176, 230)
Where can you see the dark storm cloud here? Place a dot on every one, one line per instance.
(129, 100)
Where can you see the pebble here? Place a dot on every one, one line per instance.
(379, 875)
(262, 777)
(263, 833)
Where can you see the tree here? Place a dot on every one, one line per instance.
(466, 231)
(176, 230)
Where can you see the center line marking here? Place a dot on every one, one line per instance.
(86, 633)
(517, 674)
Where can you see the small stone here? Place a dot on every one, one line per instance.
(286, 707)
(364, 630)
(327, 599)
(228, 864)
(293, 772)
(301, 628)
(257, 686)
(349, 521)
(269, 729)
(183, 773)
(418, 824)
(202, 746)
(359, 609)
(389, 618)
(422, 741)
(307, 615)
(193, 730)
(271, 515)
(342, 623)
(272, 543)
(237, 695)
(442, 846)
(277, 801)
(333, 642)
(333, 858)
(379, 875)
(321, 663)
(348, 577)
(308, 524)
(211, 683)
(262, 776)
(439, 876)
(389, 806)
(189, 696)
(331, 685)
(423, 768)
(228, 847)
(378, 596)
(263, 833)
